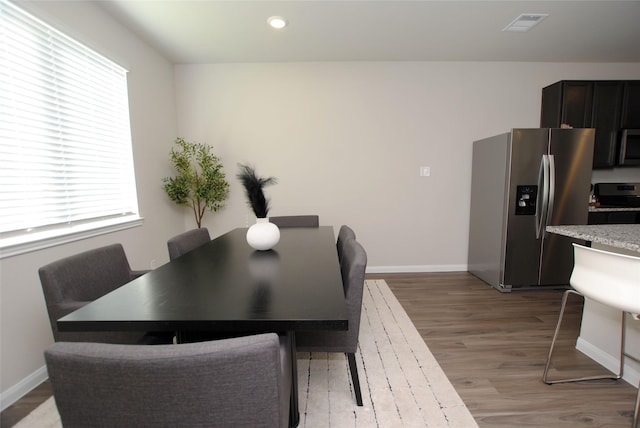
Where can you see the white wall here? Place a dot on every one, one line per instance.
(346, 141)
(25, 330)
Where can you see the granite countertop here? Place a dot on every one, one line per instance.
(616, 235)
(611, 209)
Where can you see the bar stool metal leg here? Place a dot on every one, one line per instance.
(545, 375)
(611, 279)
(636, 410)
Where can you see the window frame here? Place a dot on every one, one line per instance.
(27, 240)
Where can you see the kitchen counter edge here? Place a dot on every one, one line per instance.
(625, 236)
(602, 209)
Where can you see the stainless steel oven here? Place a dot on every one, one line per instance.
(621, 195)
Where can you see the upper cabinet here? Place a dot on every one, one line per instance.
(631, 105)
(606, 120)
(606, 105)
(567, 103)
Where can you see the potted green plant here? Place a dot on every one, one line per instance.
(200, 182)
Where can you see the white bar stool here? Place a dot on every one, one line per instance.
(611, 279)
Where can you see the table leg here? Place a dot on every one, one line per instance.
(294, 412)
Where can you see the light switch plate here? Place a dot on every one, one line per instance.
(425, 171)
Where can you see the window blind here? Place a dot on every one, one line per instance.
(65, 141)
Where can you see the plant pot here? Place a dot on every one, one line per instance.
(263, 235)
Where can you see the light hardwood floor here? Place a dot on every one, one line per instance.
(492, 346)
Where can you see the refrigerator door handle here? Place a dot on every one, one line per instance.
(542, 202)
(551, 190)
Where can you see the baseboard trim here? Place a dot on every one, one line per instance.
(630, 372)
(416, 268)
(22, 388)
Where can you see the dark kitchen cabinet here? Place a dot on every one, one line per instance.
(567, 103)
(614, 217)
(606, 105)
(606, 120)
(631, 105)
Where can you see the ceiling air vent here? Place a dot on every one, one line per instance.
(525, 22)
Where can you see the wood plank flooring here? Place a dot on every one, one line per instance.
(21, 408)
(493, 347)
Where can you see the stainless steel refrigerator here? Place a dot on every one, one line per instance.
(523, 181)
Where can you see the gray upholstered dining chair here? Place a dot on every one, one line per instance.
(238, 382)
(187, 241)
(352, 267)
(344, 234)
(296, 221)
(74, 281)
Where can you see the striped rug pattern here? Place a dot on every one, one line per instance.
(402, 383)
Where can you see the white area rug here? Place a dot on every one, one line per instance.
(402, 383)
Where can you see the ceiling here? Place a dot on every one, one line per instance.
(214, 31)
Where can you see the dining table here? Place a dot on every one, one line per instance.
(227, 287)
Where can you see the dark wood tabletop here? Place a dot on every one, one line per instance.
(225, 285)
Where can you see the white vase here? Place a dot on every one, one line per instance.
(263, 235)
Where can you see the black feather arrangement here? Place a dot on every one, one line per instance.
(253, 186)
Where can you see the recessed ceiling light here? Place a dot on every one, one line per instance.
(277, 22)
(525, 22)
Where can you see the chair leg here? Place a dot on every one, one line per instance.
(545, 377)
(354, 377)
